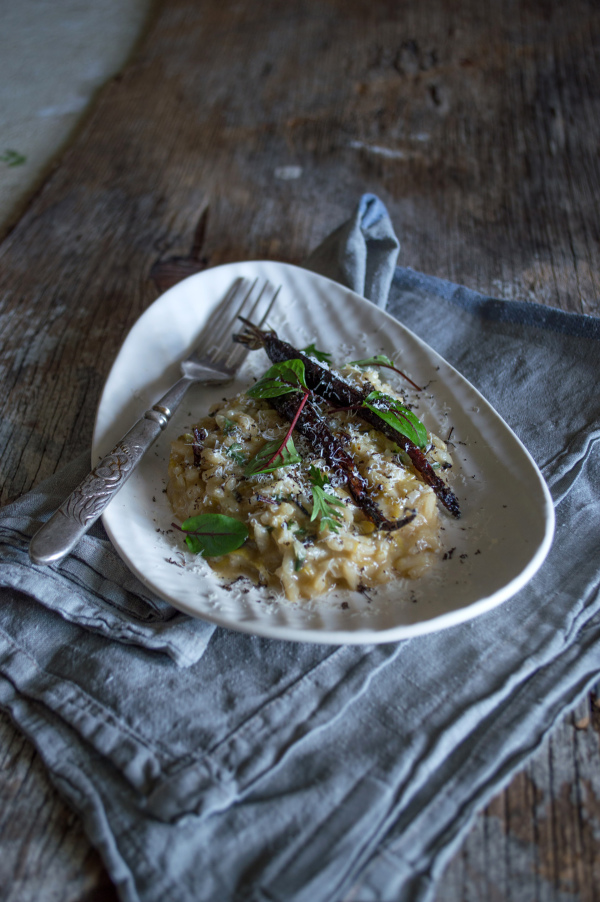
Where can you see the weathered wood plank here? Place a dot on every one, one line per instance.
(478, 125)
(45, 854)
(537, 841)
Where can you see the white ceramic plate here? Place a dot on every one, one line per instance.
(499, 543)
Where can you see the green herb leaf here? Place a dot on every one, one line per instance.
(234, 452)
(299, 563)
(229, 427)
(398, 416)
(287, 456)
(212, 535)
(12, 158)
(280, 379)
(378, 360)
(323, 502)
(322, 356)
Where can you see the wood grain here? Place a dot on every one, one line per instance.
(477, 124)
(538, 840)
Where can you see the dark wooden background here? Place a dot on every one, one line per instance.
(478, 124)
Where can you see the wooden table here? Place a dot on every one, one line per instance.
(248, 130)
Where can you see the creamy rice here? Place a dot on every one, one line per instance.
(285, 550)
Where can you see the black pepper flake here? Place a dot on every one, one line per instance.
(363, 591)
(478, 551)
(344, 605)
(448, 554)
(200, 435)
(170, 560)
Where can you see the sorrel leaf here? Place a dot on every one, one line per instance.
(378, 360)
(212, 535)
(398, 416)
(321, 356)
(280, 379)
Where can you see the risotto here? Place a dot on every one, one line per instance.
(289, 548)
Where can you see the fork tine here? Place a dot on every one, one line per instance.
(215, 347)
(255, 309)
(224, 317)
(238, 352)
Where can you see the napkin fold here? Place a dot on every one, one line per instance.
(263, 770)
(361, 253)
(92, 586)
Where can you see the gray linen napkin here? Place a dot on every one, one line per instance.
(361, 253)
(281, 771)
(92, 587)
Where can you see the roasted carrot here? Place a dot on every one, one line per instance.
(312, 426)
(339, 394)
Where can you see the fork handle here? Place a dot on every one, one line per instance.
(59, 535)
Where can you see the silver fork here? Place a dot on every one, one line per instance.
(215, 360)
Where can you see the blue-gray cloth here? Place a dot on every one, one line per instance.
(207, 764)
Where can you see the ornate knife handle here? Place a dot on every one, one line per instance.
(86, 503)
